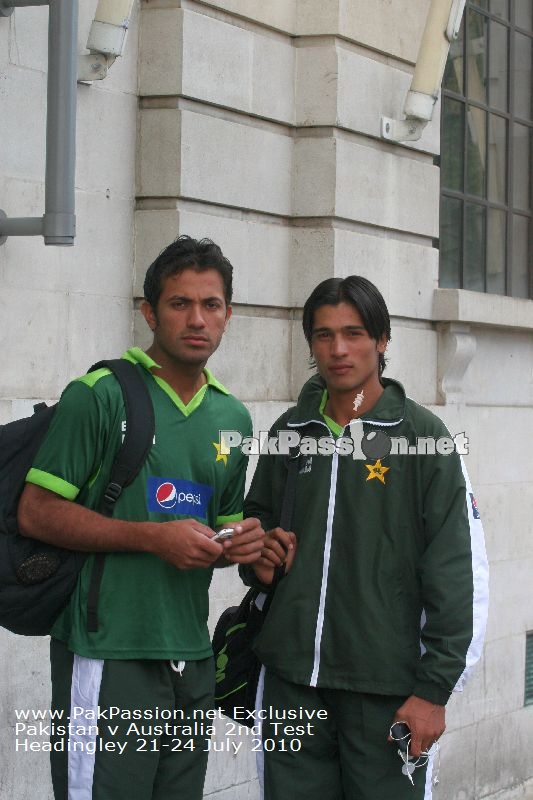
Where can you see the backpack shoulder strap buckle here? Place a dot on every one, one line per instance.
(112, 493)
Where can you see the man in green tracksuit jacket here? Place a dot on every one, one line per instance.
(382, 611)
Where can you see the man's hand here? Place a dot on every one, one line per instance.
(185, 543)
(279, 548)
(246, 544)
(426, 721)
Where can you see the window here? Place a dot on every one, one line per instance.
(486, 151)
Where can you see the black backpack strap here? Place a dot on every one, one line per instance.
(138, 439)
(140, 428)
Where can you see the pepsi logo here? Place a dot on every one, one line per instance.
(166, 495)
(177, 496)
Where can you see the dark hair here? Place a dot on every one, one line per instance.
(187, 253)
(362, 294)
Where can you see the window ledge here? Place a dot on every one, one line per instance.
(478, 308)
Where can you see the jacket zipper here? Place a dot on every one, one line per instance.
(325, 568)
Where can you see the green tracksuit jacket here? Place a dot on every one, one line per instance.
(388, 590)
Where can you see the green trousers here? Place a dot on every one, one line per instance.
(132, 733)
(343, 756)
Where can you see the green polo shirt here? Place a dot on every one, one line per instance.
(147, 608)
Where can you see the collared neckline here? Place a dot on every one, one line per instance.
(138, 356)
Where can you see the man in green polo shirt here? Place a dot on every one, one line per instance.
(131, 692)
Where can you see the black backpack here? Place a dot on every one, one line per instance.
(37, 579)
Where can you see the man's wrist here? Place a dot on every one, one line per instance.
(431, 692)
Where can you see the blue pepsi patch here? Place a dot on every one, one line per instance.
(475, 511)
(172, 496)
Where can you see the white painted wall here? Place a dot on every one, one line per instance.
(61, 309)
(56, 303)
(258, 125)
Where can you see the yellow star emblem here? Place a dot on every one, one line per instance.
(377, 470)
(221, 456)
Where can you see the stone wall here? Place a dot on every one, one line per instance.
(258, 124)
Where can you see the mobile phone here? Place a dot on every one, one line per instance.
(223, 533)
(401, 733)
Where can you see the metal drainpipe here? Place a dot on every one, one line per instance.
(58, 225)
